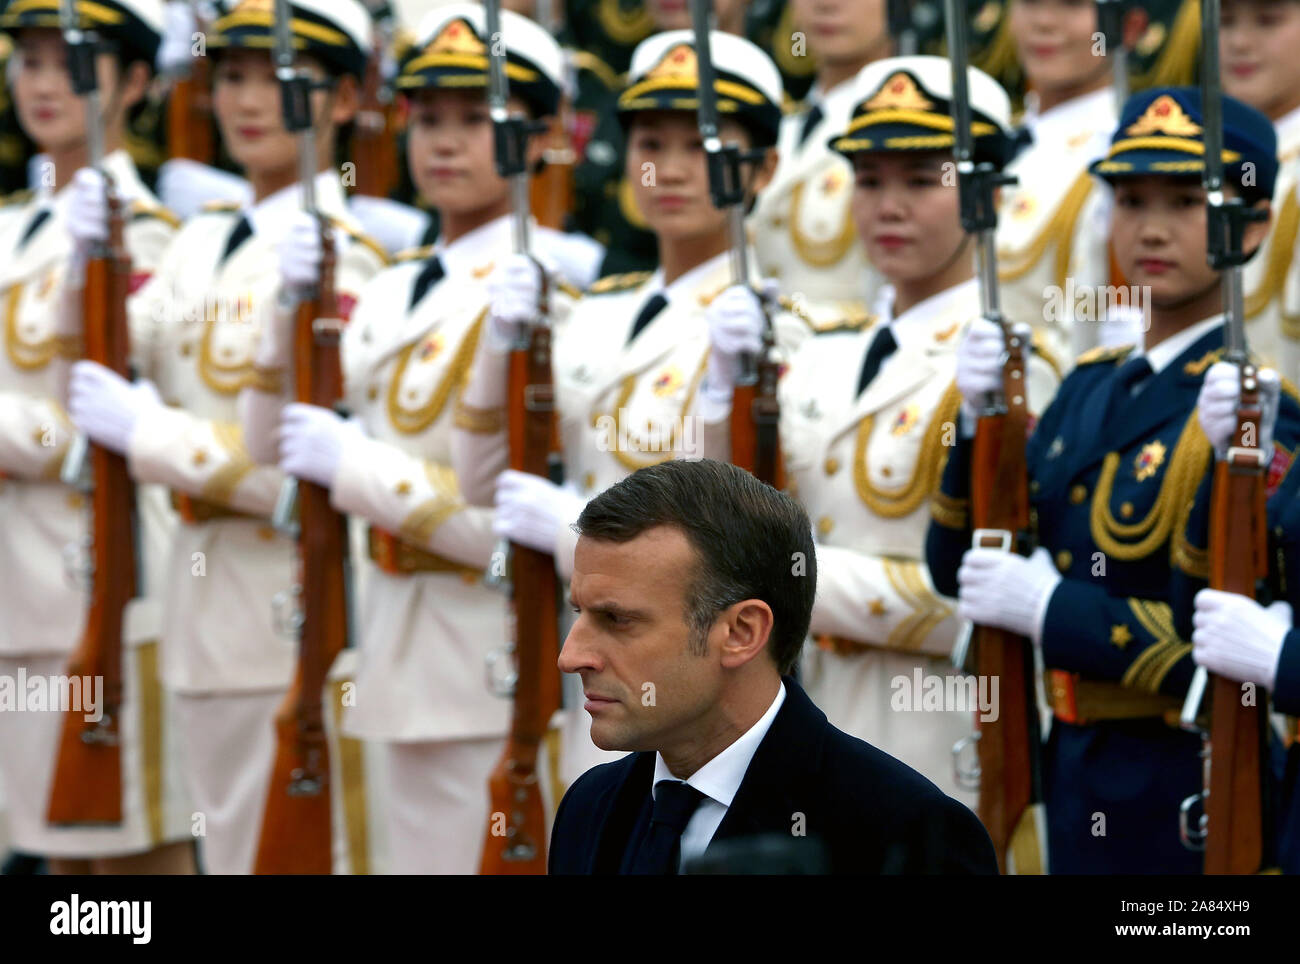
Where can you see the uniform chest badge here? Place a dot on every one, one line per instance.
(1149, 460)
(668, 382)
(1022, 208)
(432, 347)
(906, 420)
(832, 182)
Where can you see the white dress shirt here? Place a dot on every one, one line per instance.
(718, 780)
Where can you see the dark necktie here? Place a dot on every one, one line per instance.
(1128, 377)
(429, 275)
(661, 847)
(33, 226)
(242, 232)
(882, 346)
(1021, 140)
(648, 312)
(810, 122)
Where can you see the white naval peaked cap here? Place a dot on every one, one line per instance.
(451, 50)
(135, 25)
(747, 82)
(337, 32)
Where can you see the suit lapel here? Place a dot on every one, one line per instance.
(615, 831)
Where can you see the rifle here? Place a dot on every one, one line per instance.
(1009, 774)
(755, 410)
(1231, 828)
(189, 111)
(87, 783)
(518, 846)
(296, 822)
(1110, 24)
(374, 138)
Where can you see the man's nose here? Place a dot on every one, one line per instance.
(575, 655)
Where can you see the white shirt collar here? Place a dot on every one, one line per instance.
(1163, 354)
(1288, 132)
(1067, 120)
(691, 280)
(478, 247)
(965, 291)
(270, 216)
(720, 778)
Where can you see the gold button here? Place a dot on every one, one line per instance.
(1063, 560)
(877, 607)
(832, 466)
(200, 457)
(1126, 509)
(886, 471)
(186, 349)
(589, 481)
(412, 394)
(825, 524)
(1033, 486)
(76, 500)
(1078, 494)
(372, 392)
(402, 488)
(266, 533)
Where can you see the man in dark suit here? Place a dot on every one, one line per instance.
(693, 584)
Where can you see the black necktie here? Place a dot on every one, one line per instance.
(242, 232)
(647, 314)
(882, 346)
(1128, 377)
(34, 225)
(429, 275)
(810, 122)
(1022, 138)
(661, 847)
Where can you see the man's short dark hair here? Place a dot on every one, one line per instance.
(750, 541)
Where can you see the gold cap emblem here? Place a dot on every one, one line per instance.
(1164, 116)
(899, 91)
(456, 38)
(679, 63)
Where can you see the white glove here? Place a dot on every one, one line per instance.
(531, 510)
(300, 252)
(1216, 406)
(735, 319)
(514, 293)
(107, 407)
(1006, 590)
(1238, 638)
(979, 362)
(179, 27)
(87, 208)
(311, 442)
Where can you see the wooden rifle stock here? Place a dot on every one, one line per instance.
(87, 783)
(374, 135)
(189, 116)
(519, 847)
(551, 189)
(296, 836)
(1238, 557)
(1008, 746)
(755, 418)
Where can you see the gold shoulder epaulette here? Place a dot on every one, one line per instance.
(1199, 366)
(618, 282)
(215, 206)
(1104, 353)
(418, 253)
(585, 60)
(1289, 388)
(143, 209)
(364, 239)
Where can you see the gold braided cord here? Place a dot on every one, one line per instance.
(1152, 665)
(1185, 556)
(1281, 247)
(624, 27)
(819, 254)
(901, 500)
(26, 355)
(223, 379)
(481, 421)
(949, 512)
(1186, 467)
(626, 459)
(1058, 230)
(928, 610)
(1176, 64)
(411, 421)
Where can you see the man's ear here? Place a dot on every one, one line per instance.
(764, 170)
(134, 84)
(346, 100)
(745, 629)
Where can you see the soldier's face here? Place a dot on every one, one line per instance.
(907, 217)
(841, 31)
(450, 150)
(50, 113)
(1055, 42)
(1258, 44)
(1158, 235)
(668, 171)
(646, 688)
(246, 104)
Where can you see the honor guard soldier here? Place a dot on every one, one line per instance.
(646, 363)
(1052, 222)
(1258, 43)
(210, 304)
(428, 623)
(42, 521)
(867, 416)
(802, 227)
(1114, 465)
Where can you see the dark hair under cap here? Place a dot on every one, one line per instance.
(251, 24)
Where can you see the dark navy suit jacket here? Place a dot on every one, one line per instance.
(872, 814)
